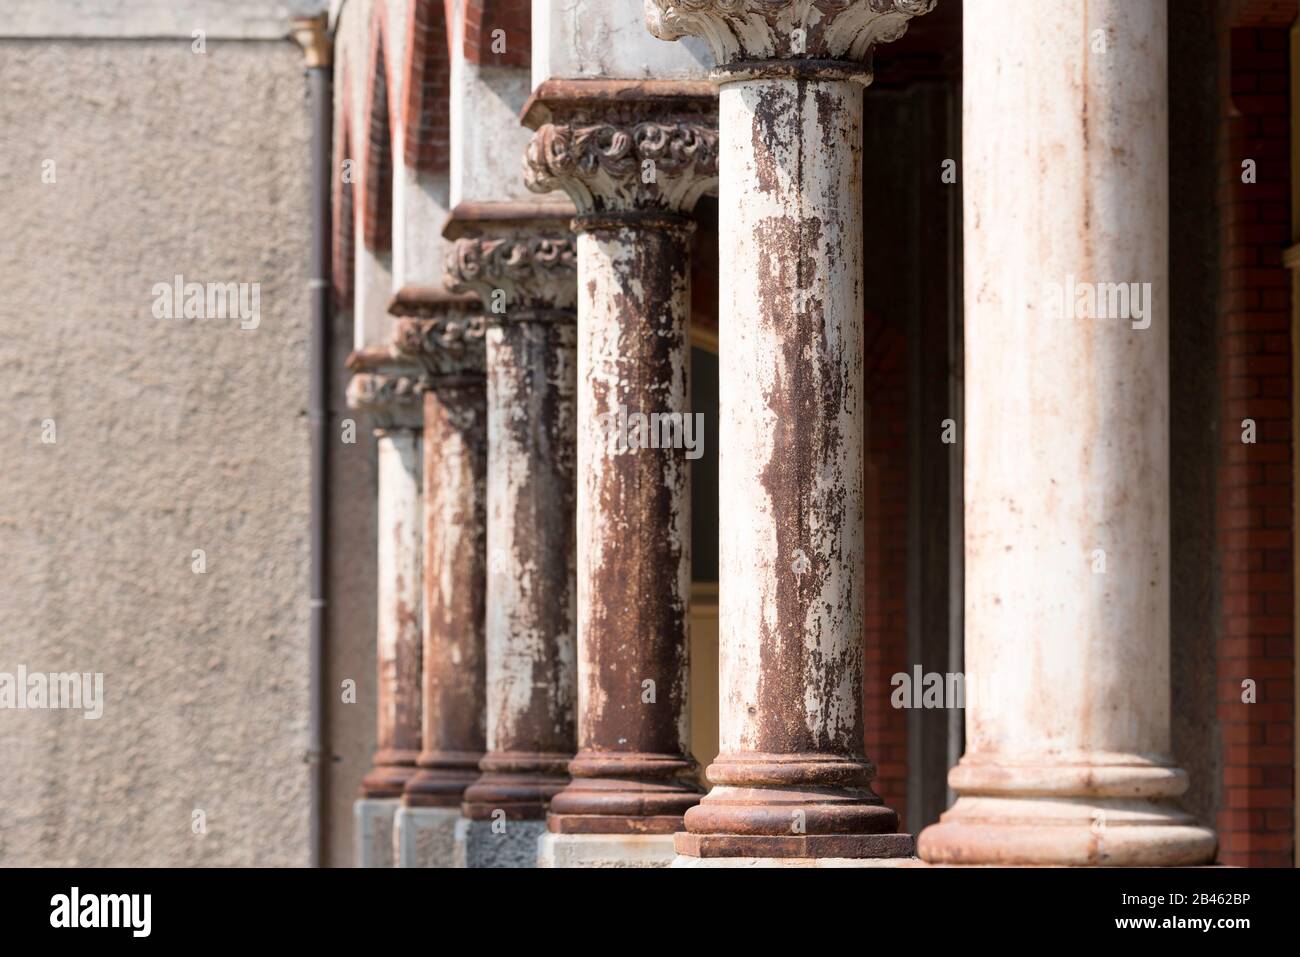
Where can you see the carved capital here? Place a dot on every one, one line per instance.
(516, 270)
(741, 31)
(444, 346)
(312, 34)
(439, 331)
(388, 389)
(626, 157)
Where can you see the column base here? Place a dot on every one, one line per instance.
(426, 836)
(830, 846)
(605, 850)
(635, 793)
(440, 779)
(824, 808)
(373, 831)
(388, 776)
(500, 843)
(519, 784)
(683, 860)
(1067, 832)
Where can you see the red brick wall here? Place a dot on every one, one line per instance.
(426, 110)
(376, 186)
(342, 221)
(1263, 13)
(886, 559)
(513, 17)
(1254, 514)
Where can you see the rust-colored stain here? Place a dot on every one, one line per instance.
(531, 381)
(455, 580)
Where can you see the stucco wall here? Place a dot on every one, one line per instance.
(172, 435)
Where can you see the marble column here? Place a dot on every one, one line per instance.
(634, 158)
(444, 334)
(1066, 198)
(521, 265)
(791, 781)
(387, 389)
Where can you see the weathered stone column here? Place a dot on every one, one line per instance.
(791, 780)
(523, 269)
(444, 334)
(387, 388)
(1067, 444)
(634, 158)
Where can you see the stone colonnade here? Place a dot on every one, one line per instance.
(556, 562)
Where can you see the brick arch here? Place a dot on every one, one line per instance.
(376, 181)
(344, 216)
(425, 112)
(483, 17)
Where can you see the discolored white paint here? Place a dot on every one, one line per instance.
(614, 307)
(399, 586)
(793, 256)
(575, 39)
(486, 138)
(530, 614)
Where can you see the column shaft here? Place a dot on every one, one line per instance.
(633, 521)
(1067, 439)
(398, 624)
(530, 612)
(520, 263)
(455, 542)
(634, 156)
(791, 778)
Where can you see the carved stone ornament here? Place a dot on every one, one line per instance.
(611, 159)
(448, 345)
(516, 271)
(387, 388)
(749, 30)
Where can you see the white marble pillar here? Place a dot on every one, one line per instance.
(1065, 139)
(515, 253)
(444, 334)
(388, 391)
(634, 158)
(524, 272)
(792, 780)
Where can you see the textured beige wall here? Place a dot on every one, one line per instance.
(172, 435)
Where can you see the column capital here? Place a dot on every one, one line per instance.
(642, 148)
(514, 269)
(313, 35)
(441, 332)
(446, 347)
(745, 31)
(386, 387)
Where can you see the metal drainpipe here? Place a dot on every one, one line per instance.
(311, 34)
